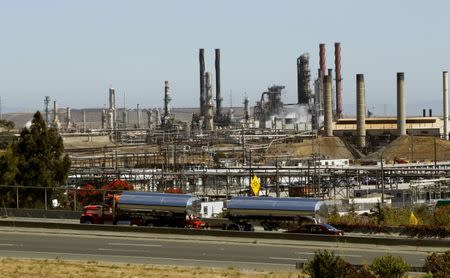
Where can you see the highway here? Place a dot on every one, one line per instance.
(185, 250)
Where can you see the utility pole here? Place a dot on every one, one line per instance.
(276, 181)
(382, 181)
(435, 155)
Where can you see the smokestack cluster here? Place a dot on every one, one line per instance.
(337, 68)
(328, 117)
(303, 79)
(445, 100)
(360, 111)
(401, 117)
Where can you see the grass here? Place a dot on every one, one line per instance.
(31, 268)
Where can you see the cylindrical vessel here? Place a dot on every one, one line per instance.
(360, 111)
(401, 117)
(337, 65)
(218, 93)
(328, 119)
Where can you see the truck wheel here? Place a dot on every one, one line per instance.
(233, 227)
(86, 221)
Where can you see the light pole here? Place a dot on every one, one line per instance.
(382, 180)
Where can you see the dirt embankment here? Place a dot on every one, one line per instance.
(415, 148)
(328, 147)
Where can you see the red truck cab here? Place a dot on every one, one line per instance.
(100, 214)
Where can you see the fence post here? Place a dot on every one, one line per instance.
(17, 197)
(75, 200)
(45, 197)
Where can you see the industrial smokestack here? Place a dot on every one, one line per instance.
(218, 94)
(112, 108)
(337, 65)
(124, 118)
(401, 118)
(430, 112)
(445, 93)
(328, 117)
(246, 110)
(424, 113)
(201, 56)
(84, 121)
(322, 68)
(55, 115)
(360, 111)
(209, 118)
(330, 79)
(167, 99)
(68, 118)
(303, 79)
(138, 116)
(46, 104)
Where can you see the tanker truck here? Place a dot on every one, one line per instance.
(145, 209)
(273, 213)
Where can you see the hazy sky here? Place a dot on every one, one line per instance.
(73, 50)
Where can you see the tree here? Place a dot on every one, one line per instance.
(40, 153)
(35, 159)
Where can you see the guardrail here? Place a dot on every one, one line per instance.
(239, 234)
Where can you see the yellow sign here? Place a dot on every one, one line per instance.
(255, 185)
(413, 219)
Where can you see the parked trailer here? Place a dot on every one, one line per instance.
(146, 209)
(274, 213)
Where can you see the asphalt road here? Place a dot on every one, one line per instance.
(185, 250)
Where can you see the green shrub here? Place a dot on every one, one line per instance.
(389, 266)
(326, 265)
(438, 264)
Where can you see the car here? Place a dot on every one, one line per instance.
(324, 229)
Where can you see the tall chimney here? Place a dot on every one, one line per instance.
(337, 65)
(303, 79)
(401, 118)
(445, 92)
(330, 79)
(322, 67)
(424, 113)
(246, 110)
(46, 104)
(328, 117)
(84, 121)
(218, 94)
(138, 116)
(55, 112)
(430, 112)
(112, 108)
(201, 57)
(209, 118)
(360, 111)
(167, 100)
(68, 118)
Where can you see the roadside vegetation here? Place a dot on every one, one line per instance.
(26, 268)
(430, 223)
(325, 264)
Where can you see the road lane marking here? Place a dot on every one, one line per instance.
(342, 255)
(134, 244)
(123, 250)
(304, 253)
(7, 244)
(102, 256)
(291, 259)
